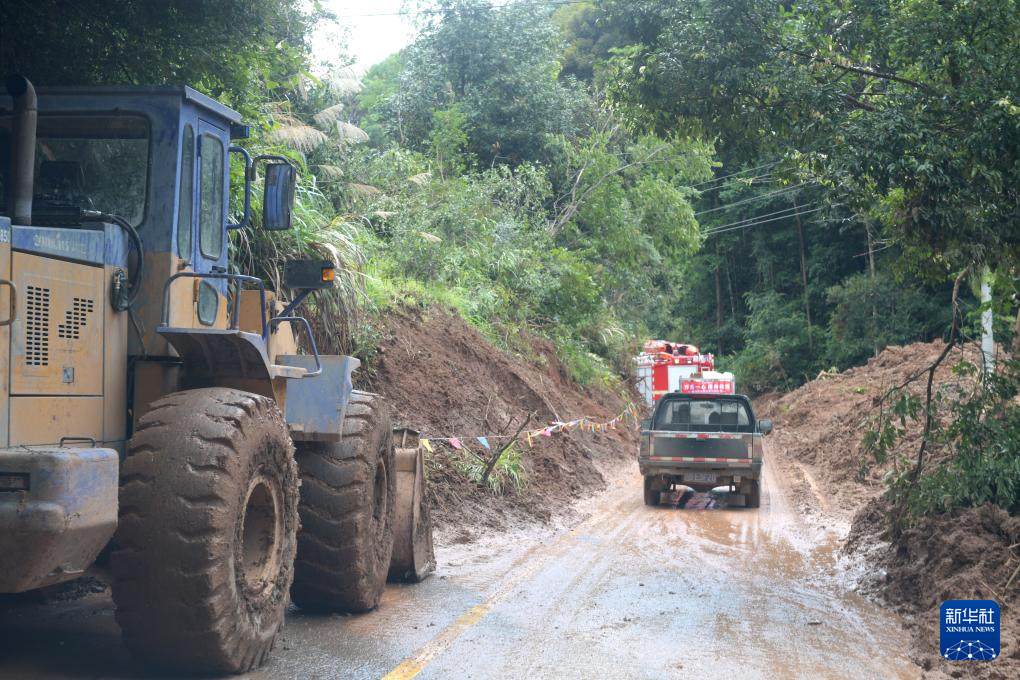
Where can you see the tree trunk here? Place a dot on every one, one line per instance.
(874, 307)
(1016, 334)
(803, 276)
(718, 307)
(729, 285)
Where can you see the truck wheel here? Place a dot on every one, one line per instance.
(347, 494)
(752, 494)
(208, 531)
(653, 490)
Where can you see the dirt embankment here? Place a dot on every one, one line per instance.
(443, 378)
(969, 554)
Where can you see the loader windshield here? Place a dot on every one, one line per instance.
(93, 162)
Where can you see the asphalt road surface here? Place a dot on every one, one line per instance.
(628, 592)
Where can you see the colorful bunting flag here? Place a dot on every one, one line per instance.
(427, 444)
(455, 443)
(484, 441)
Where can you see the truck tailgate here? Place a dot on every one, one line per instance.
(701, 447)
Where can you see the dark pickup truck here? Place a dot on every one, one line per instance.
(702, 442)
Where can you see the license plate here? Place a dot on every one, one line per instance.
(700, 477)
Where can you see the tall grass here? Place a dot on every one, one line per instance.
(508, 474)
(318, 233)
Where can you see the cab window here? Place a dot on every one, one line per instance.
(703, 415)
(210, 219)
(94, 162)
(186, 193)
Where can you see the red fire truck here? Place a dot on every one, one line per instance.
(663, 366)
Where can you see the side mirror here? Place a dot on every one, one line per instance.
(278, 200)
(646, 424)
(765, 426)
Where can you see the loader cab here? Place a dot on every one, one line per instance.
(161, 158)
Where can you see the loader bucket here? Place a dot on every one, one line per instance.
(413, 557)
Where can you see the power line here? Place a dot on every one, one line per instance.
(755, 224)
(734, 174)
(551, 3)
(792, 212)
(777, 192)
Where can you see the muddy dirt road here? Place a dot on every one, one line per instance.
(627, 592)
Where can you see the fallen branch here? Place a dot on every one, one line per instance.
(954, 329)
(491, 464)
(928, 420)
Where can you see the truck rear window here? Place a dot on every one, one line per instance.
(703, 415)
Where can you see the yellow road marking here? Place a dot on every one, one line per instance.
(522, 569)
(416, 663)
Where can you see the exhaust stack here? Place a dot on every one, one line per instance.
(26, 114)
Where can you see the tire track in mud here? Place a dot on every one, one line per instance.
(636, 592)
(521, 571)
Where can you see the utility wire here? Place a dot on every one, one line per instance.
(734, 174)
(726, 228)
(777, 192)
(792, 212)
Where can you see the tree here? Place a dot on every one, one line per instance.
(231, 49)
(909, 108)
(500, 66)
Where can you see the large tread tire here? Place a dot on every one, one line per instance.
(752, 498)
(208, 532)
(347, 496)
(653, 490)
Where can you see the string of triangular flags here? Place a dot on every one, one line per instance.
(530, 437)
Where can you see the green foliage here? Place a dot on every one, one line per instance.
(235, 50)
(776, 355)
(500, 68)
(449, 140)
(873, 312)
(909, 109)
(508, 474)
(975, 444)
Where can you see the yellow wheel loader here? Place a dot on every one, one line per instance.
(154, 402)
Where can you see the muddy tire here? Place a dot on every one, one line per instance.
(752, 494)
(653, 490)
(347, 495)
(208, 532)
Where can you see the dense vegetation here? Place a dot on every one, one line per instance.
(790, 185)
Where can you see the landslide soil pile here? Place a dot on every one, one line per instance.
(444, 379)
(968, 554)
(819, 427)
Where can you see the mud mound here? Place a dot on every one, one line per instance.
(820, 426)
(444, 379)
(968, 554)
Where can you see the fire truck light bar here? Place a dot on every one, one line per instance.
(706, 387)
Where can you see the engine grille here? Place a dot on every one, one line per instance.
(37, 326)
(76, 318)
